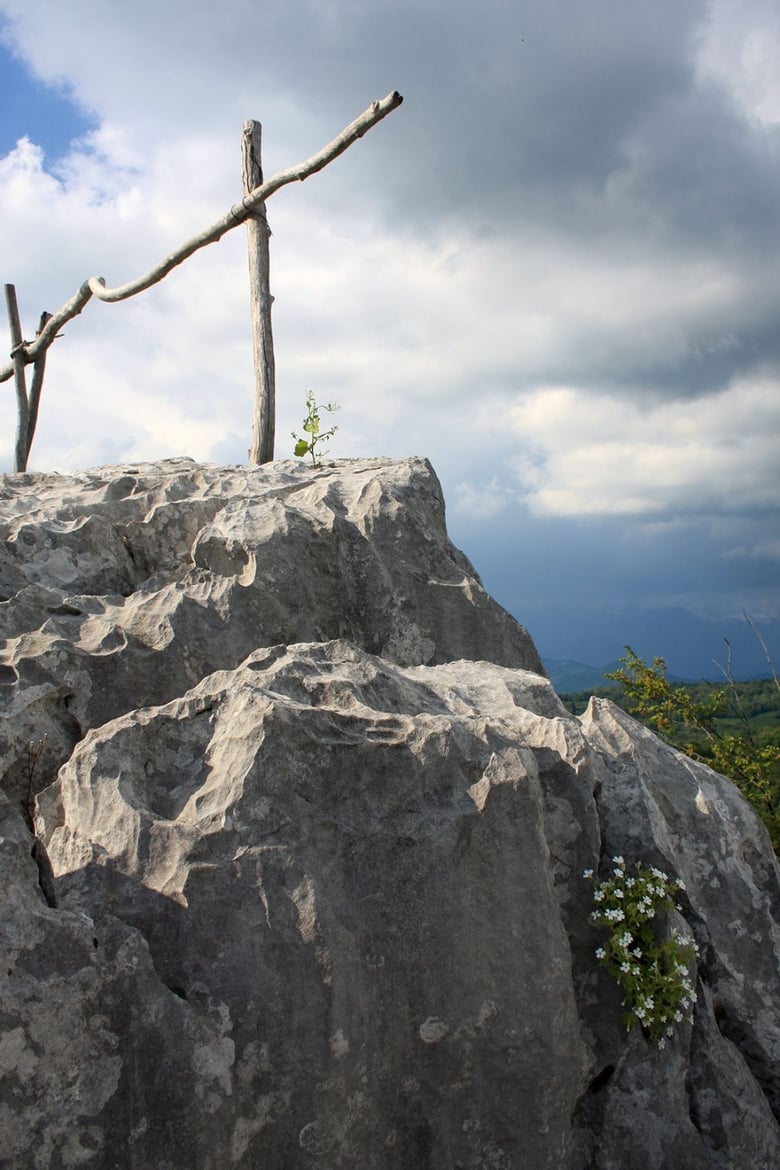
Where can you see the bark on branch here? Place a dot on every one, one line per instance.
(238, 214)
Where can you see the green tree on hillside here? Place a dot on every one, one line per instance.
(695, 725)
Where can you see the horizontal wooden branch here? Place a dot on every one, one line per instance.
(96, 285)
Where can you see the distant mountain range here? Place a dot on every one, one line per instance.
(693, 648)
(568, 676)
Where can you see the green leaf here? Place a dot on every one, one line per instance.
(301, 448)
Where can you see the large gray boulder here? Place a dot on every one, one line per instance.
(124, 586)
(307, 889)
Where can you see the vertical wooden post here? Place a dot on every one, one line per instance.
(39, 369)
(258, 233)
(22, 406)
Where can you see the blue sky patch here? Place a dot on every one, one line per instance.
(43, 113)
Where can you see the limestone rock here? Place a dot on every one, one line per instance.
(125, 586)
(91, 1039)
(318, 901)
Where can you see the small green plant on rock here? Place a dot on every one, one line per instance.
(311, 425)
(653, 968)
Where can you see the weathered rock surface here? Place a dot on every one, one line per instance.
(317, 843)
(125, 586)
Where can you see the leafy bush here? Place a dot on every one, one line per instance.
(695, 725)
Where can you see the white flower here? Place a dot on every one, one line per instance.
(587, 873)
(625, 967)
(598, 896)
(601, 953)
(619, 861)
(618, 893)
(637, 953)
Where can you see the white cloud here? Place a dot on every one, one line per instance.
(740, 46)
(484, 503)
(600, 455)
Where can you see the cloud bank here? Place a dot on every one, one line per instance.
(552, 270)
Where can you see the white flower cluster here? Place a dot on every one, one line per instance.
(653, 969)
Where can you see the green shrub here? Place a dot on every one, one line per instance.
(696, 726)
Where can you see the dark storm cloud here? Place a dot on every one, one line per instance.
(586, 590)
(576, 117)
(746, 341)
(588, 124)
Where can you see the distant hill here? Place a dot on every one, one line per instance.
(692, 647)
(568, 676)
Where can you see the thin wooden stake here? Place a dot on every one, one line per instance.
(258, 234)
(39, 369)
(17, 356)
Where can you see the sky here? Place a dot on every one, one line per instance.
(553, 271)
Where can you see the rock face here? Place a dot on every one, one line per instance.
(315, 826)
(124, 587)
